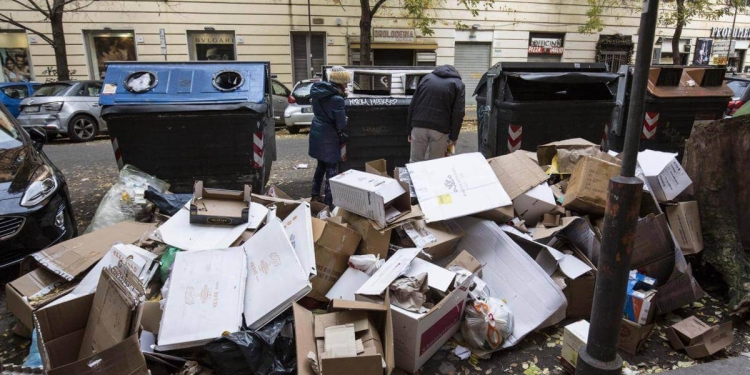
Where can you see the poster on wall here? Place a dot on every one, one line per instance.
(112, 48)
(702, 51)
(15, 63)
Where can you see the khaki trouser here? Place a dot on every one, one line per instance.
(427, 144)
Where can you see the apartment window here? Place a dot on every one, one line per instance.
(104, 46)
(301, 68)
(211, 45)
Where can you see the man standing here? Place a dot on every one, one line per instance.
(436, 113)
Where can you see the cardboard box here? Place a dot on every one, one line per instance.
(378, 167)
(219, 206)
(653, 251)
(562, 156)
(456, 186)
(467, 262)
(61, 330)
(588, 185)
(580, 295)
(517, 173)
(699, 339)
(686, 225)
(71, 258)
(575, 336)
(436, 239)
(574, 231)
(533, 204)
(33, 290)
(633, 336)
(381, 199)
(678, 292)
(419, 336)
(334, 244)
(377, 338)
(665, 175)
(640, 307)
(499, 215)
(374, 241)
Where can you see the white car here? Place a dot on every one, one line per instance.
(299, 112)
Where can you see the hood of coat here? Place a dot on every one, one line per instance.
(323, 89)
(446, 71)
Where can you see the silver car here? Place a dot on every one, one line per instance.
(67, 108)
(299, 112)
(280, 101)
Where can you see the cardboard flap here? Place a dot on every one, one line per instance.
(61, 319)
(304, 326)
(379, 167)
(714, 340)
(517, 173)
(361, 365)
(341, 304)
(198, 190)
(124, 358)
(388, 272)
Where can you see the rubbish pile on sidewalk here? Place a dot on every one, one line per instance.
(230, 282)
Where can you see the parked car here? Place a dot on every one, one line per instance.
(11, 94)
(299, 113)
(280, 95)
(67, 108)
(740, 84)
(35, 210)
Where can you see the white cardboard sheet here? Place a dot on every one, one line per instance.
(347, 285)
(437, 277)
(456, 186)
(392, 269)
(298, 226)
(178, 232)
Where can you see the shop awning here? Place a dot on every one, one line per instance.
(416, 46)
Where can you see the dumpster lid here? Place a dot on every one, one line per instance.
(506, 68)
(569, 77)
(680, 82)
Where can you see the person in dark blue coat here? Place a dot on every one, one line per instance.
(328, 132)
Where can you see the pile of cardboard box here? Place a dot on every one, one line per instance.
(523, 228)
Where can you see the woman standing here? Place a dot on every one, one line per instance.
(328, 131)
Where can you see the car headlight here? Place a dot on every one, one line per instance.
(53, 106)
(43, 184)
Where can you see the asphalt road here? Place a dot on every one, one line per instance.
(90, 169)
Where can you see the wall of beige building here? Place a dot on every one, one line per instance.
(262, 29)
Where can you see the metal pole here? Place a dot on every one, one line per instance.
(599, 355)
(731, 35)
(308, 42)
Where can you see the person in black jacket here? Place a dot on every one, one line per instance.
(436, 113)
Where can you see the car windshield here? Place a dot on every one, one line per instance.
(51, 90)
(738, 87)
(9, 136)
(302, 89)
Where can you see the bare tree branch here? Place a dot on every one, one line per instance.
(33, 7)
(377, 6)
(49, 7)
(81, 6)
(8, 20)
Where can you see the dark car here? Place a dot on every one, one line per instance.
(740, 84)
(35, 210)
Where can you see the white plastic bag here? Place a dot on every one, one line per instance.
(368, 263)
(487, 324)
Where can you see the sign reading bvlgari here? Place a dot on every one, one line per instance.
(725, 32)
(553, 46)
(393, 35)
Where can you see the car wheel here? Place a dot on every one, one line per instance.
(82, 128)
(293, 129)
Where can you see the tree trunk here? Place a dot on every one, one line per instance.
(58, 37)
(676, 56)
(365, 34)
(716, 159)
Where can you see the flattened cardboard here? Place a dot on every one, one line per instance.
(653, 252)
(698, 339)
(686, 226)
(467, 262)
(499, 215)
(665, 175)
(219, 206)
(446, 234)
(124, 358)
(35, 285)
(384, 276)
(588, 185)
(373, 241)
(533, 204)
(178, 232)
(334, 244)
(438, 278)
(456, 186)
(678, 292)
(381, 199)
(71, 258)
(298, 225)
(517, 173)
(575, 336)
(633, 336)
(347, 285)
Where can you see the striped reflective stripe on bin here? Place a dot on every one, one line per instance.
(650, 123)
(514, 138)
(118, 154)
(258, 150)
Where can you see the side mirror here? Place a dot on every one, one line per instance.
(38, 137)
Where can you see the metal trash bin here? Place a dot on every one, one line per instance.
(377, 107)
(188, 121)
(525, 105)
(677, 98)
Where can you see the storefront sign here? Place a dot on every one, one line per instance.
(725, 32)
(393, 35)
(211, 45)
(552, 46)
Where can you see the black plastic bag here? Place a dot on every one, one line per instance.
(268, 351)
(168, 204)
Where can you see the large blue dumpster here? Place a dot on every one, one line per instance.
(188, 121)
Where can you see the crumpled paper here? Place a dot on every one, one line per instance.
(410, 293)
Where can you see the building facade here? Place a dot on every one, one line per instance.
(278, 31)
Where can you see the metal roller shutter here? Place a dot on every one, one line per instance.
(472, 60)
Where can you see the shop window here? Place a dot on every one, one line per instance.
(301, 69)
(211, 45)
(14, 58)
(105, 46)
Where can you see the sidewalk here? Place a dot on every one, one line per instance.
(736, 365)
